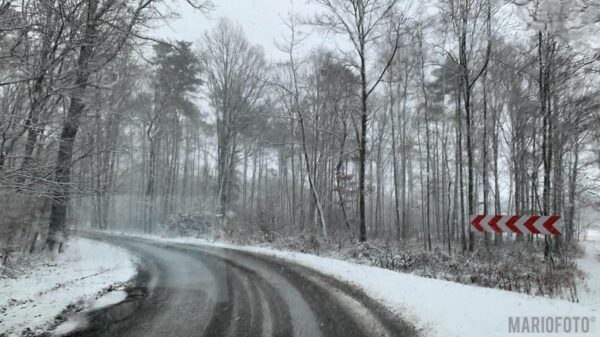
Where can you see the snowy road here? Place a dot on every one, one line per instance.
(186, 290)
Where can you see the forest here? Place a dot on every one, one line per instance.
(423, 114)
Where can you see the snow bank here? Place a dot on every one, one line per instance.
(443, 308)
(438, 308)
(593, 234)
(590, 264)
(86, 267)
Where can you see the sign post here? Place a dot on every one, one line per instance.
(518, 224)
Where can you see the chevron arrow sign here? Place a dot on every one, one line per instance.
(531, 224)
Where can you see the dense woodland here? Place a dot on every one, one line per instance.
(424, 114)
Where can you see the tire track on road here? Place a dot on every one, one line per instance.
(186, 290)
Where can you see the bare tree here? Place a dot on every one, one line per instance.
(93, 53)
(235, 77)
(362, 22)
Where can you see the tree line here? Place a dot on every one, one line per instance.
(425, 114)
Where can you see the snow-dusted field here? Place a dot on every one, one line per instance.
(33, 300)
(442, 308)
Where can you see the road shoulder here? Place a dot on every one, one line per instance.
(87, 275)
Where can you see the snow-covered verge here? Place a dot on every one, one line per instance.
(34, 301)
(590, 264)
(441, 308)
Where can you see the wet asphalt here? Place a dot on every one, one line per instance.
(188, 291)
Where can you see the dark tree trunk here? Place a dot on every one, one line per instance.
(362, 150)
(61, 192)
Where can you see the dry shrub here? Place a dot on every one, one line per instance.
(186, 225)
(513, 266)
(23, 225)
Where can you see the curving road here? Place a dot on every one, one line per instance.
(185, 290)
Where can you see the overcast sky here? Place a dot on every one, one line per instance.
(261, 20)
(262, 23)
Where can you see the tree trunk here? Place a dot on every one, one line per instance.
(61, 193)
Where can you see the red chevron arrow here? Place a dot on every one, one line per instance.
(494, 223)
(529, 224)
(511, 224)
(476, 222)
(549, 224)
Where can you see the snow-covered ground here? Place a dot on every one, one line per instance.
(590, 264)
(438, 308)
(79, 275)
(445, 309)
(442, 308)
